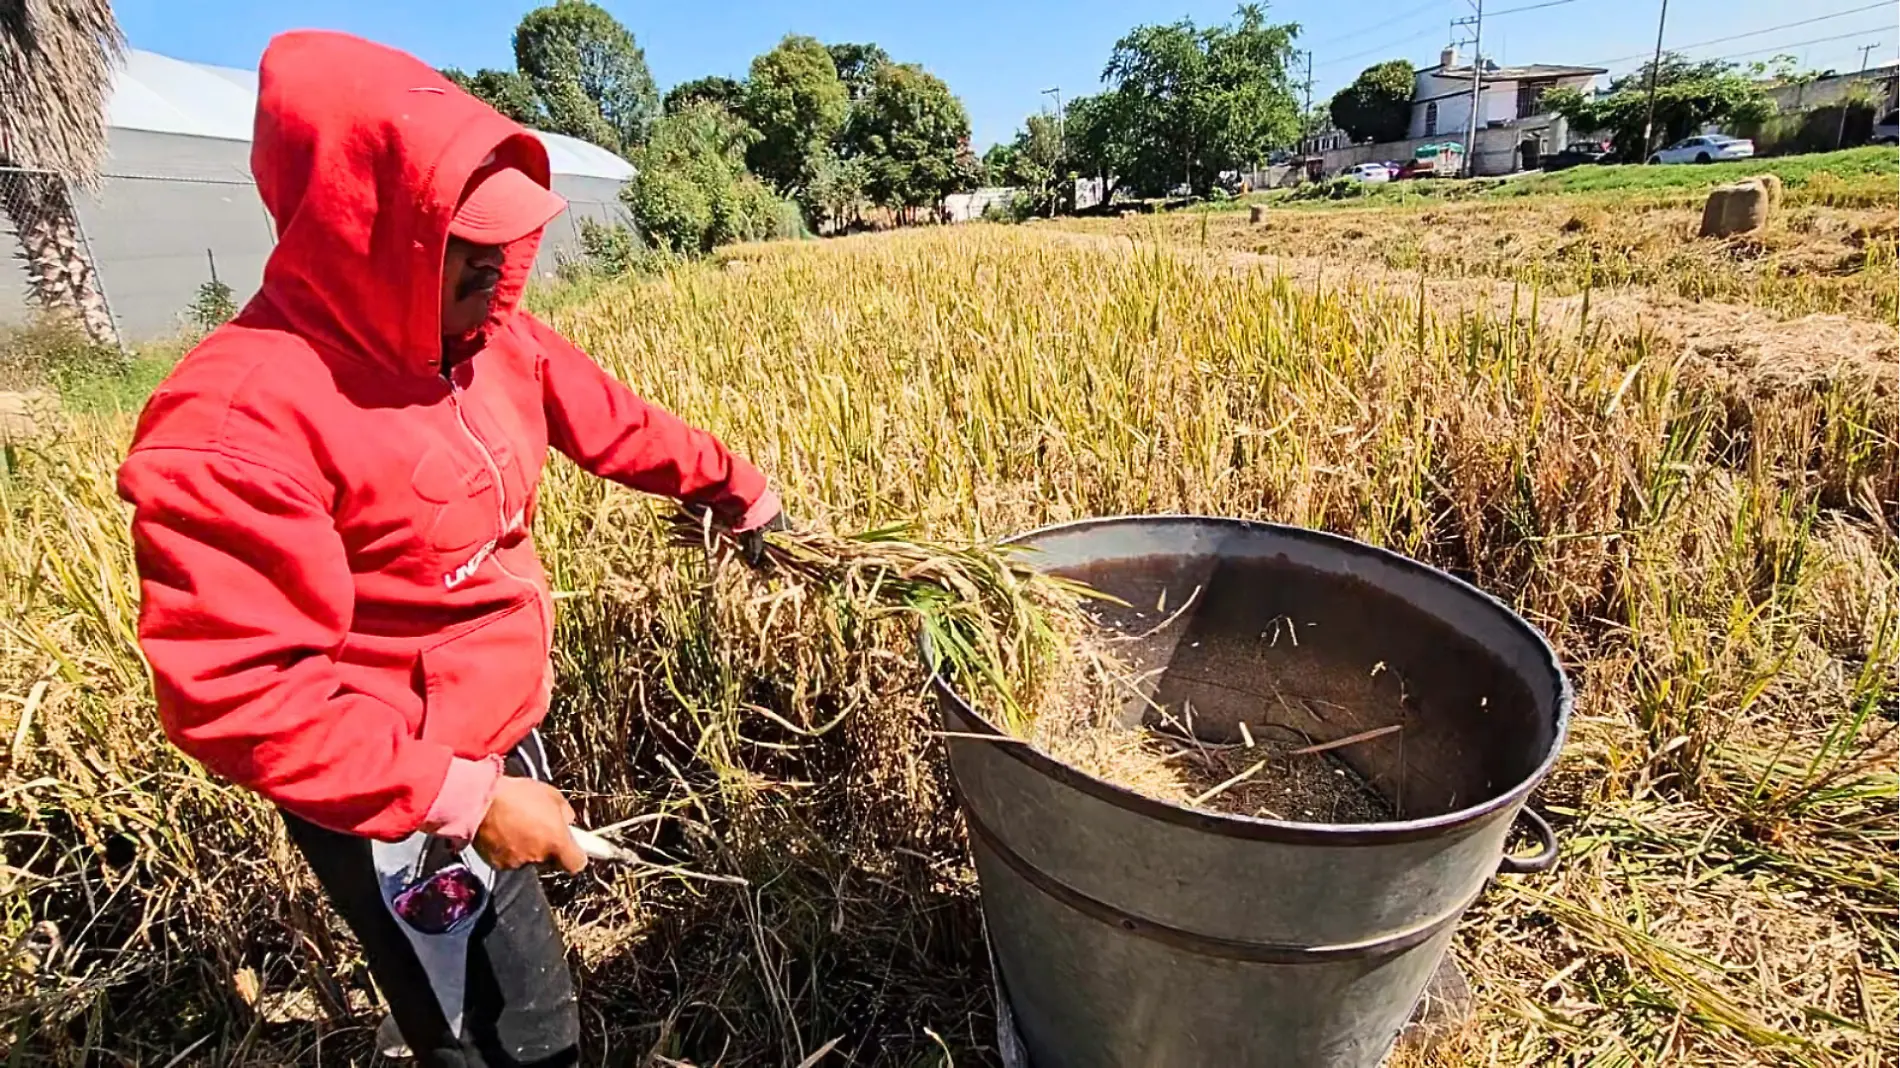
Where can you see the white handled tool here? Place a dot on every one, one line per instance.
(598, 848)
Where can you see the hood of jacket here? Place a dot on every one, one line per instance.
(361, 154)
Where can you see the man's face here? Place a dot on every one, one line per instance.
(470, 273)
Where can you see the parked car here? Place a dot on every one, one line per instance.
(1705, 148)
(1576, 154)
(1369, 172)
(1887, 130)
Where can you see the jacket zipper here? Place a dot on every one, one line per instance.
(501, 512)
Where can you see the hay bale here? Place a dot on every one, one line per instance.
(1257, 214)
(26, 417)
(1739, 208)
(1772, 183)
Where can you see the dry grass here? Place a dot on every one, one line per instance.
(1814, 257)
(1711, 550)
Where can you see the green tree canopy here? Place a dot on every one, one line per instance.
(691, 192)
(589, 72)
(506, 91)
(912, 133)
(712, 89)
(836, 196)
(797, 104)
(997, 161)
(856, 63)
(1099, 139)
(1689, 96)
(1034, 164)
(1189, 102)
(1377, 106)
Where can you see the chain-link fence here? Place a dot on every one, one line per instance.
(162, 240)
(155, 241)
(53, 263)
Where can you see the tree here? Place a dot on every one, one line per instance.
(835, 196)
(691, 192)
(713, 89)
(56, 65)
(856, 63)
(797, 104)
(1034, 164)
(1689, 96)
(998, 160)
(504, 90)
(589, 72)
(911, 132)
(1189, 103)
(1098, 135)
(1377, 106)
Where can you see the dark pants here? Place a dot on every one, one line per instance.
(519, 1008)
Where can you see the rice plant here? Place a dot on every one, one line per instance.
(1709, 543)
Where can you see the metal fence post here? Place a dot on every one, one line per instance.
(92, 262)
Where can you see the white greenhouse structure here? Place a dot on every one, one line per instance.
(177, 200)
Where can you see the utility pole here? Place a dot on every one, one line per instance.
(1062, 140)
(1476, 22)
(1840, 131)
(1655, 65)
(1308, 84)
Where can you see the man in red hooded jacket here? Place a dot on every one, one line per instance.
(342, 605)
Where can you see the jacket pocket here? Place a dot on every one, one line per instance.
(457, 512)
(486, 682)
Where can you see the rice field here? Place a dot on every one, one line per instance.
(1706, 535)
(1829, 248)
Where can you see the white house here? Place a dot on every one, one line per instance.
(1507, 96)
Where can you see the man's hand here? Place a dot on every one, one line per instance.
(527, 823)
(752, 542)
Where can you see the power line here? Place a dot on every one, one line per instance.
(1426, 33)
(1882, 30)
(1336, 60)
(1751, 33)
(1413, 13)
(1529, 7)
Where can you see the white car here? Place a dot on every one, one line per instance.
(1705, 148)
(1370, 172)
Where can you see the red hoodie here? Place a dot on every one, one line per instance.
(342, 605)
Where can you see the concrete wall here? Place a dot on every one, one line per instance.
(968, 207)
(1497, 147)
(1824, 91)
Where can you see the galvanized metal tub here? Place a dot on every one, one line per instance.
(1134, 932)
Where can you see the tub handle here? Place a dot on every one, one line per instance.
(1546, 856)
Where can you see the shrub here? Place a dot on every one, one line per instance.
(215, 305)
(691, 192)
(1817, 129)
(1019, 207)
(55, 352)
(608, 250)
(1332, 189)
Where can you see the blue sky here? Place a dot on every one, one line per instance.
(998, 56)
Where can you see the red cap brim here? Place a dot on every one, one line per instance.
(505, 207)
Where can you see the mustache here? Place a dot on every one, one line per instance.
(478, 279)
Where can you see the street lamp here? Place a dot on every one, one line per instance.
(1062, 140)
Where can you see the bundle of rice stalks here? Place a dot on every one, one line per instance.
(986, 619)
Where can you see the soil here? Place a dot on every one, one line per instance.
(1761, 349)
